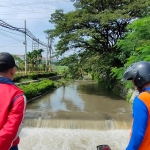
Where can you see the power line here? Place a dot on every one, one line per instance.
(37, 3)
(12, 13)
(30, 6)
(34, 7)
(29, 39)
(13, 4)
(26, 4)
(29, 12)
(14, 8)
(28, 18)
(12, 46)
(11, 32)
(46, 7)
(22, 30)
(10, 36)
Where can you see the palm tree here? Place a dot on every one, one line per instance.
(19, 62)
(30, 61)
(39, 55)
(39, 58)
(34, 58)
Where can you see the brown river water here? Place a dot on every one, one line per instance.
(79, 116)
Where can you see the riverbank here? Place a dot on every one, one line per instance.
(36, 88)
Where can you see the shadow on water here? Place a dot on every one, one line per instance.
(96, 89)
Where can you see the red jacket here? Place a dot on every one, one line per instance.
(12, 111)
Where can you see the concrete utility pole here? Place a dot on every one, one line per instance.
(25, 47)
(50, 51)
(47, 53)
(38, 43)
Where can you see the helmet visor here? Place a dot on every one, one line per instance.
(130, 74)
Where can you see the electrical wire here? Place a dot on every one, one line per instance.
(12, 13)
(30, 36)
(22, 30)
(11, 32)
(12, 46)
(14, 4)
(11, 37)
(50, 10)
(17, 34)
(30, 6)
(28, 18)
(46, 7)
(28, 39)
(29, 12)
(36, 3)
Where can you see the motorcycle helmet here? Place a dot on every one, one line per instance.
(139, 72)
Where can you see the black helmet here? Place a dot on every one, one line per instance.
(139, 72)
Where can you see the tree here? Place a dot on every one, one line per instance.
(19, 62)
(95, 27)
(74, 67)
(34, 59)
(135, 45)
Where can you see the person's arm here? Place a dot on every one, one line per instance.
(140, 120)
(15, 117)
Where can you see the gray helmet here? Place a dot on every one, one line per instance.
(139, 72)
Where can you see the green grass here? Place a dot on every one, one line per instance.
(25, 80)
(61, 69)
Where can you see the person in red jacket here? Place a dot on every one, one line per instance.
(12, 104)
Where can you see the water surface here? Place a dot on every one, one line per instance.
(83, 104)
(77, 117)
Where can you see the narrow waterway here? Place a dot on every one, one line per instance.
(79, 116)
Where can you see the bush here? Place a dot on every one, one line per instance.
(17, 78)
(29, 90)
(45, 85)
(48, 74)
(35, 88)
(33, 76)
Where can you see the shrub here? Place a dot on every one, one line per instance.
(17, 78)
(29, 90)
(35, 88)
(33, 76)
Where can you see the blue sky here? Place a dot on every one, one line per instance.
(36, 13)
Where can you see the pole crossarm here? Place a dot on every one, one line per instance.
(22, 30)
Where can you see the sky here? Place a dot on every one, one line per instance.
(36, 13)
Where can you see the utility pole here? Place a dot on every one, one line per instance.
(50, 50)
(25, 47)
(47, 54)
(38, 43)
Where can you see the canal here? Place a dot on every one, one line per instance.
(79, 116)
